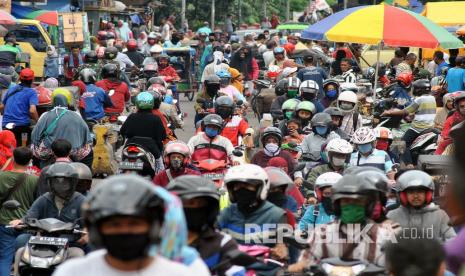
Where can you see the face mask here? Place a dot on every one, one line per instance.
(378, 211)
(127, 247)
(327, 204)
(61, 188)
(365, 148)
(382, 145)
(224, 113)
(338, 162)
(211, 132)
(352, 213)
(321, 130)
(271, 149)
(212, 90)
(227, 51)
(308, 96)
(291, 94)
(277, 198)
(346, 106)
(176, 164)
(331, 94)
(246, 200)
(196, 218)
(288, 114)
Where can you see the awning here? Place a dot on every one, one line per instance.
(445, 13)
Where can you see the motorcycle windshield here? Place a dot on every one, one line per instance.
(202, 153)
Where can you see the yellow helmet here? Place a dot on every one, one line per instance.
(64, 92)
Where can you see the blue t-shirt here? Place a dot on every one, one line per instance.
(96, 100)
(17, 105)
(440, 66)
(455, 79)
(315, 74)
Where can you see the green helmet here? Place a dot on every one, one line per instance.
(290, 104)
(307, 106)
(144, 101)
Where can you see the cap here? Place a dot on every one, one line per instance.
(26, 74)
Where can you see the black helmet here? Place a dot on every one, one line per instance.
(62, 179)
(88, 75)
(381, 68)
(273, 131)
(194, 186)
(281, 87)
(349, 186)
(123, 195)
(334, 111)
(212, 85)
(111, 53)
(212, 119)
(84, 177)
(321, 119)
(157, 98)
(422, 86)
(91, 57)
(224, 106)
(110, 70)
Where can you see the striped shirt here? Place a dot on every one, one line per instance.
(378, 159)
(424, 108)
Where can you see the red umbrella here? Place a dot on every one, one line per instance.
(6, 18)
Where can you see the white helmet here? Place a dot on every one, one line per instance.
(347, 96)
(156, 49)
(327, 180)
(383, 133)
(339, 145)
(293, 82)
(363, 135)
(248, 173)
(309, 86)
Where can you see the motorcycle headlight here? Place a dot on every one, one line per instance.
(40, 262)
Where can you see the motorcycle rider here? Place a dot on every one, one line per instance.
(384, 139)
(125, 218)
(177, 158)
(134, 55)
(151, 41)
(337, 152)
(227, 89)
(402, 88)
(91, 61)
(62, 123)
(235, 125)
(321, 212)
(165, 69)
(321, 134)
(200, 200)
(84, 177)
(209, 143)
(337, 116)
(279, 55)
(331, 92)
(95, 98)
(10, 53)
(290, 87)
(116, 89)
(347, 103)
(167, 109)
(352, 208)
(248, 186)
(288, 113)
(308, 91)
(364, 140)
(72, 62)
(417, 211)
(424, 108)
(19, 106)
(155, 52)
(208, 95)
(62, 203)
(457, 117)
(304, 112)
(150, 70)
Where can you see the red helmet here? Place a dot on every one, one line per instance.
(131, 45)
(44, 95)
(405, 78)
(26, 74)
(177, 147)
(158, 88)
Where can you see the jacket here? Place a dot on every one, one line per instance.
(312, 144)
(162, 179)
(455, 255)
(445, 138)
(171, 114)
(118, 92)
(234, 128)
(430, 221)
(314, 216)
(276, 105)
(313, 175)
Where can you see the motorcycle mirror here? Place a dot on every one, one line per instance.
(237, 153)
(11, 205)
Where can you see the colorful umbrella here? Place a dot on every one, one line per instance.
(6, 18)
(382, 24)
(44, 16)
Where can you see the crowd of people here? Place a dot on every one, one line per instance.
(322, 168)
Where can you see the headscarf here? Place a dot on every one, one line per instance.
(142, 39)
(243, 65)
(235, 74)
(124, 32)
(218, 58)
(173, 245)
(7, 145)
(51, 83)
(51, 51)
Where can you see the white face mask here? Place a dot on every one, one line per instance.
(271, 149)
(338, 162)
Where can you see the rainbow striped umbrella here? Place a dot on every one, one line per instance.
(44, 16)
(382, 24)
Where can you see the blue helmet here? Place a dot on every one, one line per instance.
(278, 50)
(223, 74)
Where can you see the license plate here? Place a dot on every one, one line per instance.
(214, 176)
(48, 241)
(125, 165)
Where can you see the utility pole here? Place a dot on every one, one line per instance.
(239, 17)
(288, 9)
(212, 24)
(183, 15)
(264, 8)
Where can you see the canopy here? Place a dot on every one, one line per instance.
(292, 26)
(445, 13)
(382, 23)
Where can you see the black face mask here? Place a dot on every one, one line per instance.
(277, 198)
(212, 90)
(308, 96)
(246, 201)
(328, 205)
(127, 247)
(225, 113)
(196, 218)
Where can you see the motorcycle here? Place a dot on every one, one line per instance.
(136, 158)
(48, 246)
(339, 266)
(213, 169)
(262, 98)
(425, 144)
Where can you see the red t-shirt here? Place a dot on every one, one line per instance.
(235, 127)
(168, 71)
(119, 96)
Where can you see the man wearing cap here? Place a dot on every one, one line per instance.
(9, 55)
(19, 106)
(311, 72)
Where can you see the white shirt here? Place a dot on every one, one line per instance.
(165, 32)
(124, 61)
(95, 264)
(268, 57)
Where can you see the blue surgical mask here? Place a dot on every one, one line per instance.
(321, 130)
(365, 148)
(211, 132)
(331, 93)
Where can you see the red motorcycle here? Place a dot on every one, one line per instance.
(211, 161)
